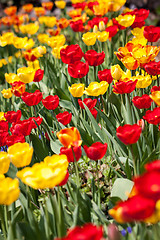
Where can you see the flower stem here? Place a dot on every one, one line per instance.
(133, 159)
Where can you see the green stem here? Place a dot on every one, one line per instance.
(76, 170)
(98, 186)
(133, 159)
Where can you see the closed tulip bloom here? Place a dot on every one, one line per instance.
(51, 102)
(77, 89)
(96, 88)
(129, 134)
(26, 74)
(4, 162)
(105, 75)
(45, 174)
(155, 96)
(142, 102)
(32, 99)
(78, 69)
(124, 87)
(69, 137)
(7, 93)
(38, 75)
(152, 33)
(12, 116)
(152, 68)
(69, 153)
(88, 102)
(93, 58)
(20, 154)
(153, 117)
(96, 151)
(71, 54)
(9, 191)
(130, 211)
(89, 38)
(116, 72)
(64, 118)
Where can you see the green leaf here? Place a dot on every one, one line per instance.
(39, 149)
(121, 188)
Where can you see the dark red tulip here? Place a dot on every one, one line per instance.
(152, 68)
(77, 26)
(3, 126)
(96, 151)
(112, 30)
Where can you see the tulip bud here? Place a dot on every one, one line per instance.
(116, 72)
(95, 29)
(113, 233)
(102, 26)
(141, 123)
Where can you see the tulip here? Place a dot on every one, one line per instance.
(3, 126)
(77, 26)
(3, 136)
(71, 54)
(93, 58)
(142, 102)
(124, 87)
(20, 154)
(105, 75)
(65, 180)
(153, 117)
(129, 134)
(39, 11)
(155, 96)
(10, 11)
(69, 137)
(112, 30)
(69, 153)
(51, 102)
(57, 41)
(9, 191)
(96, 151)
(7, 93)
(77, 89)
(89, 38)
(18, 88)
(126, 20)
(130, 62)
(64, 118)
(60, 4)
(152, 68)
(12, 116)
(27, 7)
(26, 74)
(47, 5)
(32, 99)
(12, 139)
(152, 33)
(4, 162)
(96, 89)
(78, 69)
(88, 102)
(116, 72)
(47, 174)
(38, 75)
(22, 127)
(11, 78)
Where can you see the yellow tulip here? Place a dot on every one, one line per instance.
(115, 5)
(2, 176)
(43, 38)
(102, 36)
(126, 20)
(130, 62)
(116, 72)
(77, 89)
(4, 162)
(20, 154)
(56, 51)
(6, 39)
(96, 88)
(48, 21)
(7, 93)
(35, 64)
(46, 174)
(2, 118)
(30, 28)
(156, 97)
(11, 78)
(9, 191)
(89, 38)
(26, 74)
(60, 4)
(143, 81)
(56, 41)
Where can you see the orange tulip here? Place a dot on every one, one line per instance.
(69, 137)
(10, 11)
(47, 5)
(27, 7)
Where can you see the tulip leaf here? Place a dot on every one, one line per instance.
(121, 188)
(39, 149)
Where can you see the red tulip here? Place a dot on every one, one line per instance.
(12, 116)
(12, 139)
(51, 102)
(88, 102)
(153, 117)
(97, 20)
(86, 232)
(3, 126)
(124, 87)
(64, 117)
(105, 75)
(152, 68)
(152, 33)
(153, 166)
(129, 134)
(77, 26)
(71, 54)
(155, 88)
(142, 102)
(112, 30)
(32, 99)
(96, 151)
(94, 112)
(22, 127)
(18, 88)
(78, 69)
(93, 58)
(69, 153)
(38, 121)
(3, 137)
(38, 75)
(79, 5)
